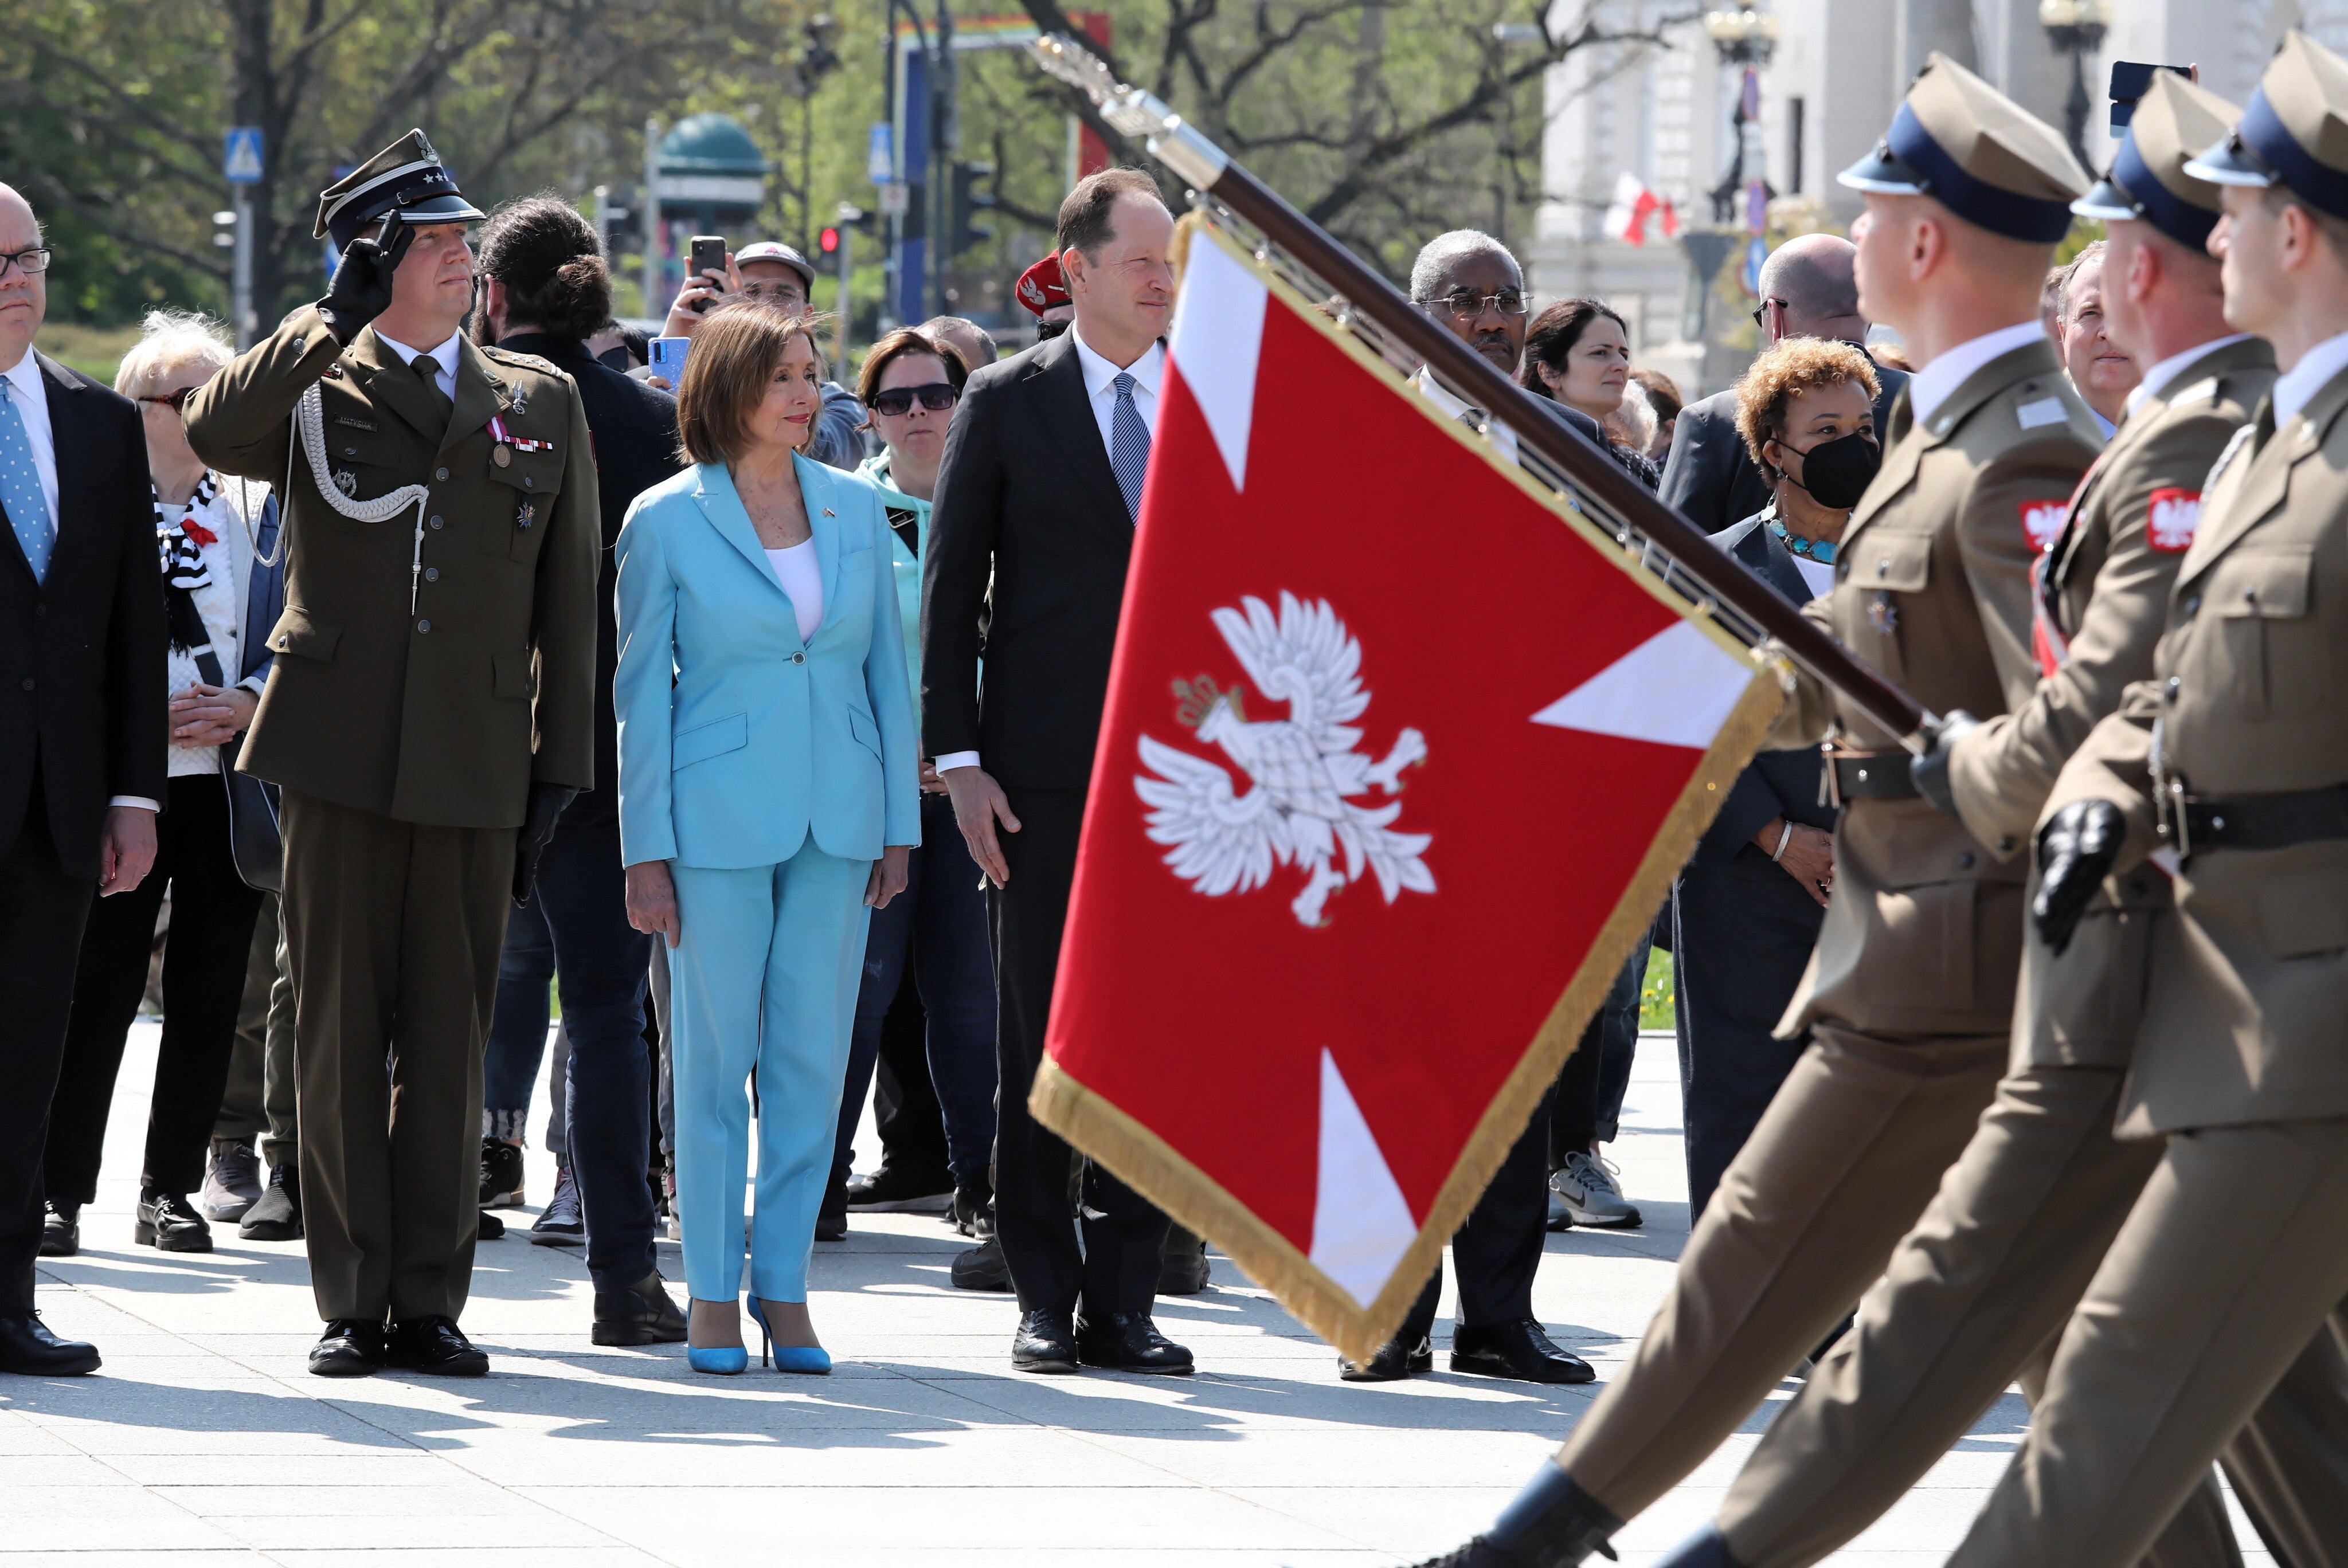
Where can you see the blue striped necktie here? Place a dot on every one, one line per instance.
(20, 487)
(1128, 447)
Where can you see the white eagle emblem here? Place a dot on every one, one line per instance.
(1304, 769)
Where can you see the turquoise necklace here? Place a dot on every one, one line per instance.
(1820, 550)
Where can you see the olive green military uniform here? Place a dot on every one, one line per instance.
(405, 744)
(1974, 1294)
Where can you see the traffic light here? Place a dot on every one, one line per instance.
(827, 253)
(970, 202)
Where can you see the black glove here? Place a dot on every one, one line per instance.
(361, 289)
(1930, 772)
(547, 802)
(2076, 853)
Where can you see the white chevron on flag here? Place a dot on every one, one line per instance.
(1216, 339)
(1676, 689)
(1361, 1224)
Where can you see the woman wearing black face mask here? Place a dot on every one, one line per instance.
(1747, 909)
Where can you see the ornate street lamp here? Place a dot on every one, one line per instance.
(1745, 39)
(2075, 28)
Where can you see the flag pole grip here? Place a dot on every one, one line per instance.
(1538, 426)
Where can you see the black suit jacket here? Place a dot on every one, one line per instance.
(82, 704)
(634, 430)
(1709, 477)
(1775, 784)
(1024, 494)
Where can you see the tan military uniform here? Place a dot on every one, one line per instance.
(407, 743)
(1910, 993)
(2232, 1257)
(1972, 1297)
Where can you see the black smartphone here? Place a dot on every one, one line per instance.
(2129, 80)
(708, 255)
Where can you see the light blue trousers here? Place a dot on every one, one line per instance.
(763, 981)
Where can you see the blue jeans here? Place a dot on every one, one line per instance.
(938, 925)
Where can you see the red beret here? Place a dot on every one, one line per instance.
(1041, 286)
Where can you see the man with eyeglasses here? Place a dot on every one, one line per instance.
(1808, 289)
(82, 729)
(770, 273)
(429, 714)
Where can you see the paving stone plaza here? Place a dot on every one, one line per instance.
(203, 1441)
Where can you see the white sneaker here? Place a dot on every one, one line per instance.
(1587, 1189)
(231, 1180)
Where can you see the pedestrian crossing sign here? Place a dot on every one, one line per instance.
(240, 161)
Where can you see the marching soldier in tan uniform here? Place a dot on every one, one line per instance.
(429, 714)
(1910, 993)
(1977, 1292)
(2234, 758)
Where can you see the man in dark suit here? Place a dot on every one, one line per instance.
(1038, 492)
(82, 729)
(543, 293)
(1807, 291)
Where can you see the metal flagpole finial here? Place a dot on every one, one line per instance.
(1131, 110)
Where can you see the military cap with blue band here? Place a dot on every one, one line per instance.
(2295, 131)
(406, 178)
(1978, 153)
(2151, 179)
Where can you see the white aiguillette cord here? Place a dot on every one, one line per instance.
(310, 424)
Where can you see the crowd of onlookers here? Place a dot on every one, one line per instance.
(801, 912)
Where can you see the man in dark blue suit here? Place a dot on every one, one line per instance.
(82, 729)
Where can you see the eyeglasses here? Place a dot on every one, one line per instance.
(28, 262)
(1468, 305)
(1761, 312)
(775, 293)
(898, 401)
(177, 402)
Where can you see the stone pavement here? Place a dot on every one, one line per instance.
(204, 1440)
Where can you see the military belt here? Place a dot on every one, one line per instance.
(1868, 775)
(2266, 821)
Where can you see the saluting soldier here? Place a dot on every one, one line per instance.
(429, 713)
(1976, 1293)
(2233, 757)
(1910, 993)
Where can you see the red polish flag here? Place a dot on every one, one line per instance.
(1633, 205)
(1399, 758)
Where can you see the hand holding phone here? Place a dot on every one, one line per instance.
(707, 256)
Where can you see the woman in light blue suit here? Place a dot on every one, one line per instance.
(767, 800)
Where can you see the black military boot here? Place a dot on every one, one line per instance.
(1553, 1523)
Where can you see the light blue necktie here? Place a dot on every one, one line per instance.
(1128, 447)
(20, 487)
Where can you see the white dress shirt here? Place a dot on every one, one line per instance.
(1453, 407)
(445, 356)
(1100, 391)
(2170, 371)
(32, 401)
(1931, 385)
(2305, 379)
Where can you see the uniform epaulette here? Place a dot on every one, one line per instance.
(526, 361)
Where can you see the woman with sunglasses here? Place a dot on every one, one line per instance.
(913, 382)
(210, 533)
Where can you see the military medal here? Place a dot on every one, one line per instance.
(502, 455)
(1882, 614)
(523, 517)
(508, 444)
(346, 482)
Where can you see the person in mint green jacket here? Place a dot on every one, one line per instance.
(767, 799)
(911, 383)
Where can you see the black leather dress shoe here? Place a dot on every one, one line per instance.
(60, 1229)
(492, 1228)
(643, 1314)
(169, 1223)
(1553, 1523)
(28, 1349)
(1130, 1342)
(434, 1345)
(1516, 1349)
(350, 1348)
(1392, 1364)
(831, 1215)
(982, 1267)
(1046, 1342)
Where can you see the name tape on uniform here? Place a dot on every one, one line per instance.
(2042, 411)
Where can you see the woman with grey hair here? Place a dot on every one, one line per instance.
(209, 532)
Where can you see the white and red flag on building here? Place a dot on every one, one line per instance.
(1633, 205)
(1399, 758)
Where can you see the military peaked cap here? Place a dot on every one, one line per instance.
(2150, 178)
(2294, 132)
(1976, 152)
(404, 178)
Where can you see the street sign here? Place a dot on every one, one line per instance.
(893, 203)
(880, 155)
(241, 157)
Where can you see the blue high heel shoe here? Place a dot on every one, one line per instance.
(724, 1360)
(809, 1358)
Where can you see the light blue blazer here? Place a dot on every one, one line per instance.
(736, 740)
